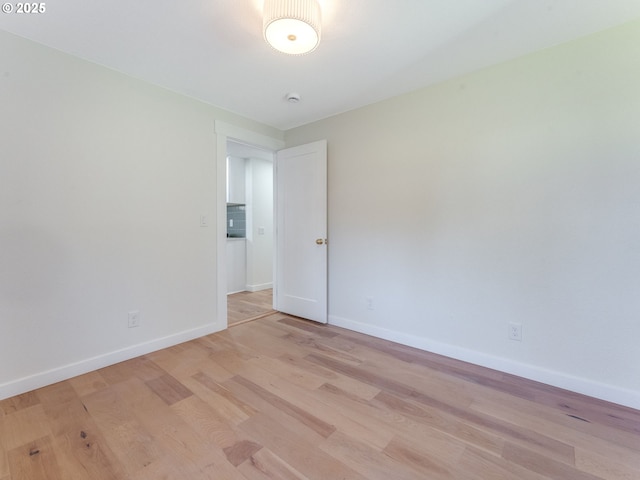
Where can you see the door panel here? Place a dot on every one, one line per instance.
(301, 231)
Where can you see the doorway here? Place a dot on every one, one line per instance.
(307, 269)
(250, 232)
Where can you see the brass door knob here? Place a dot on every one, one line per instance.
(319, 241)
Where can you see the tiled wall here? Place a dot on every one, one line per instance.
(236, 221)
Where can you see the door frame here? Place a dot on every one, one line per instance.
(223, 132)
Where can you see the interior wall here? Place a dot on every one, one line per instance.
(260, 231)
(103, 182)
(507, 195)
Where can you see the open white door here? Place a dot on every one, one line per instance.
(301, 231)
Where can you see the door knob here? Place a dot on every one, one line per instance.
(319, 241)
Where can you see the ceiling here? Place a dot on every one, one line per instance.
(213, 50)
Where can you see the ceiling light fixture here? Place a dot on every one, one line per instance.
(292, 26)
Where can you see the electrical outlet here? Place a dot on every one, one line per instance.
(369, 302)
(515, 332)
(204, 221)
(134, 318)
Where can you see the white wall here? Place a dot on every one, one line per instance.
(259, 219)
(507, 195)
(103, 179)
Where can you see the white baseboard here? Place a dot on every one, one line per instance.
(629, 398)
(257, 288)
(71, 370)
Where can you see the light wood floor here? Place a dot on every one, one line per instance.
(248, 306)
(282, 398)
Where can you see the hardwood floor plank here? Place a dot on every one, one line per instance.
(320, 427)
(19, 402)
(294, 450)
(289, 373)
(543, 465)
(210, 425)
(553, 448)
(88, 383)
(87, 455)
(445, 388)
(265, 408)
(302, 396)
(220, 470)
(331, 347)
(241, 451)
(146, 369)
(232, 360)
(446, 439)
(167, 468)
(59, 402)
(123, 371)
(599, 412)
(81, 447)
(426, 465)
(213, 393)
(360, 389)
(180, 362)
(172, 467)
(260, 341)
(265, 465)
(481, 465)
(306, 326)
(225, 393)
(24, 426)
(362, 375)
(586, 435)
(309, 401)
(443, 421)
(35, 460)
(366, 460)
(602, 466)
(172, 435)
(450, 390)
(4, 461)
(132, 444)
(169, 389)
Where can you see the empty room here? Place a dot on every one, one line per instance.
(435, 203)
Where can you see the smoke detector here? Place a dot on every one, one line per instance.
(293, 97)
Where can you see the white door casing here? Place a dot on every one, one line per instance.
(224, 132)
(301, 231)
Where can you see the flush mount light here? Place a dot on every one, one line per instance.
(292, 26)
